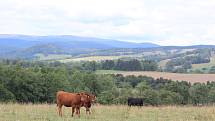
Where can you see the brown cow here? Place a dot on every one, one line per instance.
(88, 103)
(74, 100)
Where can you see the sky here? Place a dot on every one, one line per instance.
(164, 22)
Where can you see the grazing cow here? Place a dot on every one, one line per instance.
(88, 103)
(135, 101)
(74, 100)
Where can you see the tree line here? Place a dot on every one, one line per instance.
(122, 64)
(38, 83)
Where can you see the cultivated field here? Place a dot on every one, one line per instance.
(173, 76)
(45, 112)
(91, 58)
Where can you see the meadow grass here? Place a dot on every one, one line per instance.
(46, 112)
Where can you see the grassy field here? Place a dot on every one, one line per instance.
(174, 76)
(204, 65)
(163, 63)
(91, 58)
(45, 112)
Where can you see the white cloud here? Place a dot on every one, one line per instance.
(166, 22)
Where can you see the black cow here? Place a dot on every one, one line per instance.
(135, 101)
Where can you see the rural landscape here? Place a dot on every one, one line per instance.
(176, 83)
(107, 60)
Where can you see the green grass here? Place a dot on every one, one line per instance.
(45, 112)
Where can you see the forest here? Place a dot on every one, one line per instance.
(37, 82)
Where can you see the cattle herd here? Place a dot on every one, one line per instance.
(83, 99)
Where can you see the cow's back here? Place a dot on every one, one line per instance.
(68, 99)
(135, 101)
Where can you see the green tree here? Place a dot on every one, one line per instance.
(211, 95)
(199, 93)
(5, 94)
(168, 97)
(141, 87)
(151, 97)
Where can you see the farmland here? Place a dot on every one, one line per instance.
(45, 112)
(173, 76)
(90, 58)
(205, 65)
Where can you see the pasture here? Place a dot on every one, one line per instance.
(204, 65)
(45, 112)
(202, 78)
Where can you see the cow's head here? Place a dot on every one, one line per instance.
(91, 97)
(85, 100)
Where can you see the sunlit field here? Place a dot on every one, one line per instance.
(45, 112)
(192, 78)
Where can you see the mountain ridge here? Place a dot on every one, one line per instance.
(80, 42)
(27, 46)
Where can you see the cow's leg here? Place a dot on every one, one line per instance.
(78, 111)
(73, 110)
(60, 110)
(88, 111)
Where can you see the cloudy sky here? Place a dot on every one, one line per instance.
(165, 22)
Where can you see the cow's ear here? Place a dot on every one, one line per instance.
(81, 93)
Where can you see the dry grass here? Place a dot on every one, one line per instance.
(91, 58)
(173, 76)
(163, 63)
(45, 112)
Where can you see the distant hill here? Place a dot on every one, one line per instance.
(69, 41)
(25, 46)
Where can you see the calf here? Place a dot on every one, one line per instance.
(88, 102)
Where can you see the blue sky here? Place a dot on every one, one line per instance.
(165, 22)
